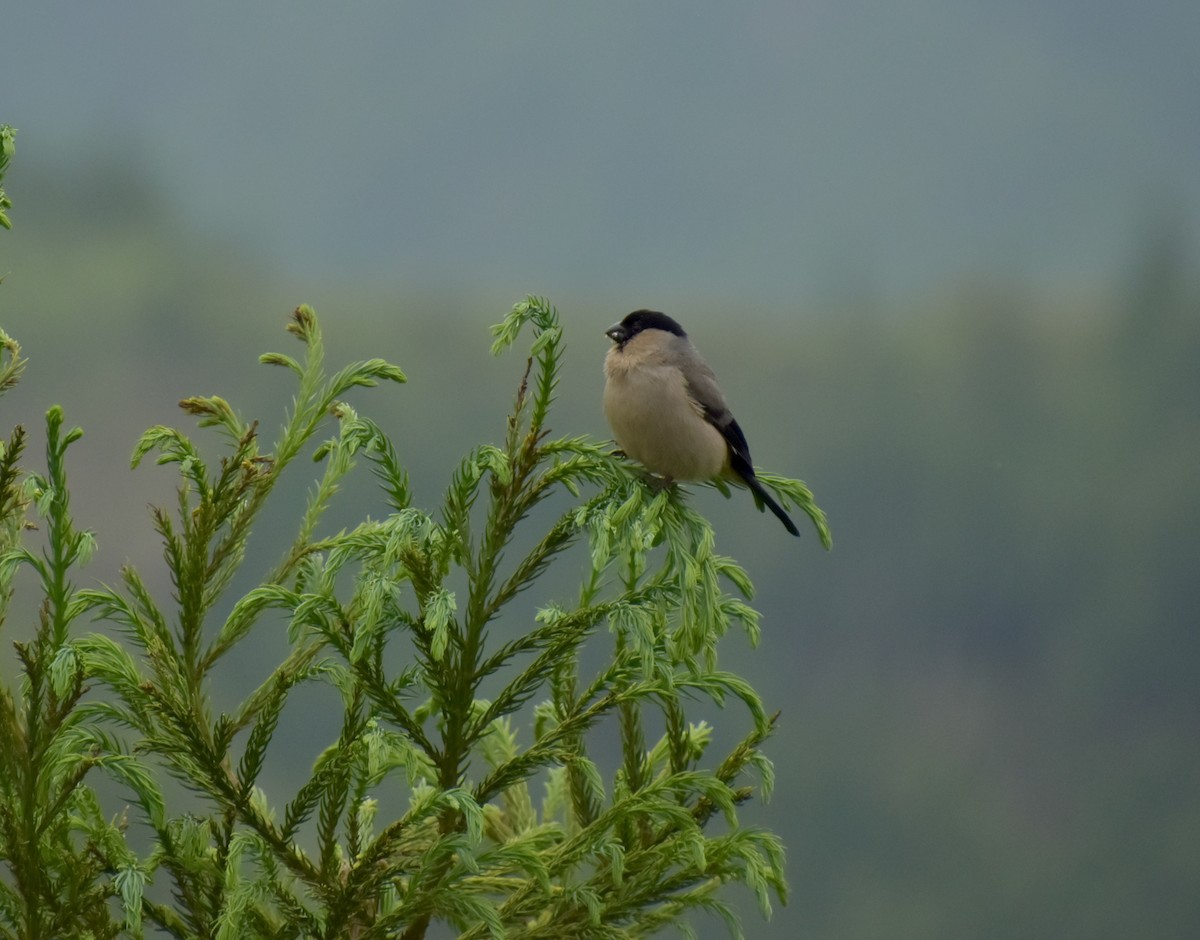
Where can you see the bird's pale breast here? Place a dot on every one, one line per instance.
(657, 424)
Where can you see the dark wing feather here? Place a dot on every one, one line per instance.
(703, 388)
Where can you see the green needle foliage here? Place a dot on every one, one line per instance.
(543, 792)
(7, 149)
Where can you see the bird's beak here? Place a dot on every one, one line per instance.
(617, 333)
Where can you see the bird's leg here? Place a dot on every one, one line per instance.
(657, 483)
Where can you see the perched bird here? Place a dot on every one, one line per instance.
(667, 412)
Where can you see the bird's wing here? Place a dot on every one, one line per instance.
(706, 394)
(703, 390)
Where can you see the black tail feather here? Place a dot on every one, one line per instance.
(761, 497)
(739, 463)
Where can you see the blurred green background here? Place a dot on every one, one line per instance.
(943, 256)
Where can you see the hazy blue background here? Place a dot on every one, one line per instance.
(943, 254)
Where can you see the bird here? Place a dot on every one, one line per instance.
(667, 411)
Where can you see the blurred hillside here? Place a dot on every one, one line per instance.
(990, 708)
(762, 149)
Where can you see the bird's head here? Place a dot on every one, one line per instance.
(640, 320)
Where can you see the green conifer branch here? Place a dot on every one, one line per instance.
(453, 690)
(7, 150)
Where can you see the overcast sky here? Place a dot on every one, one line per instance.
(780, 150)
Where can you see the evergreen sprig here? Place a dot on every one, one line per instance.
(463, 692)
(64, 861)
(7, 149)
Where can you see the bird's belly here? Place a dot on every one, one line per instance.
(656, 424)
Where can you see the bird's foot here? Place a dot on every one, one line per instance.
(656, 483)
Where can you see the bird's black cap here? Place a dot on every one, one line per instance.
(641, 320)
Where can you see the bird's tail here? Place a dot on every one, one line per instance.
(762, 497)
